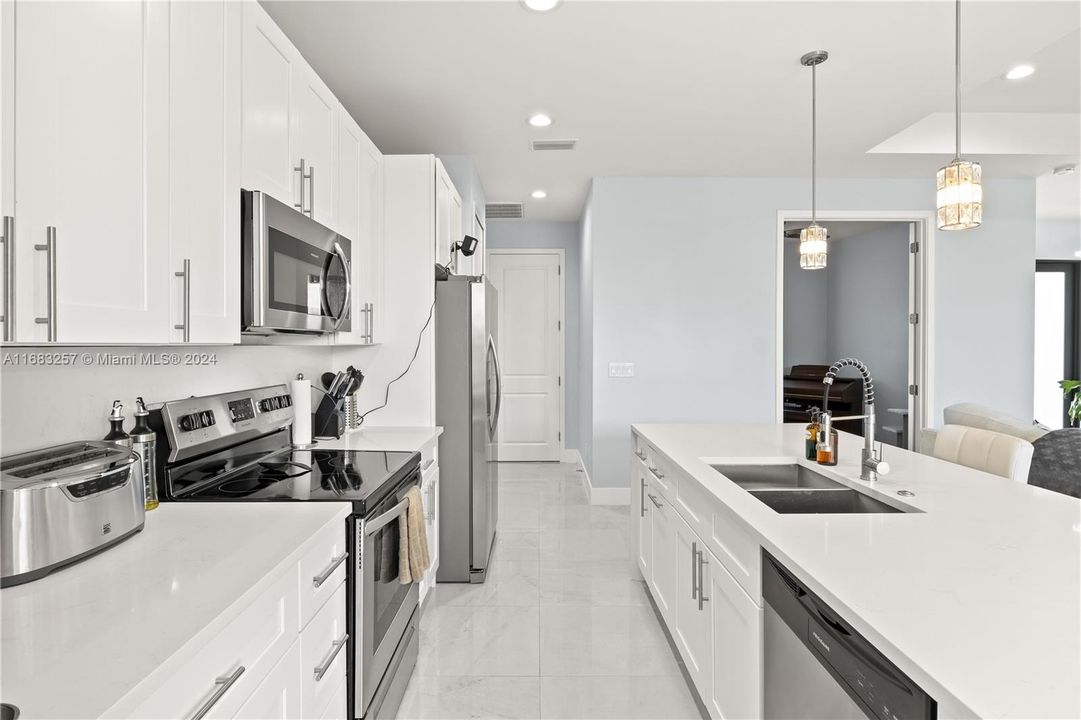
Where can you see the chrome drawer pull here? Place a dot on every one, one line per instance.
(642, 496)
(640, 455)
(694, 572)
(222, 685)
(657, 473)
(336, 648)
(50, 282)
(702, 562)
(322, 577)
(656, 502)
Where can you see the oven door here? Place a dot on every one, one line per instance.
(296, 271)
(384, 603)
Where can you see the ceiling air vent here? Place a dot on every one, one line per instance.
(503, 211)
(554, 144)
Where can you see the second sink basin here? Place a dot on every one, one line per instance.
(776, 477)
(845, 500)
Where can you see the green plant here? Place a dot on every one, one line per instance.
(1072, 387)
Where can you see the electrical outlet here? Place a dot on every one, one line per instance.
(620, 370)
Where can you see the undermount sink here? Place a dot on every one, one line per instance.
(776, 477)
(794, 489)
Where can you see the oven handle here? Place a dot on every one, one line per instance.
(347, 303)
(377, 523)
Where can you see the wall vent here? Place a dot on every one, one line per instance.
(554, 144)
(504, 211)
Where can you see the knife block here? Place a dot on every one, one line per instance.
(328, 420)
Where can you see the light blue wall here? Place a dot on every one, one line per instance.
(806, 297)
(1058, 239)
(681, 278)
(517, 235)
(585, 331)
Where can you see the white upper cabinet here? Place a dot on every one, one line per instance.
(360, 218)
(204, 168)
(91, 176)
(448, 215)
(290, 122)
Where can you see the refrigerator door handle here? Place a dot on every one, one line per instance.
(493, 412)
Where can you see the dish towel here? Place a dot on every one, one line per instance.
(413, 544)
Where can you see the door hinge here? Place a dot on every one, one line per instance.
(914, 247)
(559, 269)
(560, 433)
(913, 389)
(560, 379)
(913, 318)
(559, 324)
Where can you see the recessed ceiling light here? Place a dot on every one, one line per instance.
(540, 120)
(1020, 71)
(540, 5)
(539, 194)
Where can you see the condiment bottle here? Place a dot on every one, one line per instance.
(811, 440)
(144, 441)
(116, 433)
(826, 452)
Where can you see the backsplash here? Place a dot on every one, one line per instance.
(47, 405)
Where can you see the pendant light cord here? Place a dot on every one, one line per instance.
(957, 84)
(814, 143)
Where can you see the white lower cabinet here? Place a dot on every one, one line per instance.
(429, 491)
(735, 685)
(663, 579)
(278, 697)
(691, 629)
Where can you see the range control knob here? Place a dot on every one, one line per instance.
(190, 422)
(266, 405)
(207, 417)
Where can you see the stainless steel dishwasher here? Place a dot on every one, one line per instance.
(818, 666)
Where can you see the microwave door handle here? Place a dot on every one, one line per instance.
(348, 287)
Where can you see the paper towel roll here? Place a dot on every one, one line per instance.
(301, 391)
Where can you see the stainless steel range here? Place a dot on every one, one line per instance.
(235, 447)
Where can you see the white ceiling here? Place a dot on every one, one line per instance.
(686, 88)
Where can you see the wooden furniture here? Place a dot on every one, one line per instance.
(803, 390)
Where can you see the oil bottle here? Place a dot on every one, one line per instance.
(144, 441)
(116, 433)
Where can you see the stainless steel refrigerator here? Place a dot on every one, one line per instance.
(467, 396)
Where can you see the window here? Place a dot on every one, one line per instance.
(1057, 338)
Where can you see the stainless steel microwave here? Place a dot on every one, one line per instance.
(295, 271)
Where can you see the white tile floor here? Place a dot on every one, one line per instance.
(561, 629)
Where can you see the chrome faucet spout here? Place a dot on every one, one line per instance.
(871, 463)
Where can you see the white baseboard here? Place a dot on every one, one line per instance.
(601, 495)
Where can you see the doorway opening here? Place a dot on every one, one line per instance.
(530, 322)
(870, 302)
(1057, 343)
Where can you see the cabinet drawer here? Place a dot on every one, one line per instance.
(255, 641)
(736, 549)
(323, 647)
(322, 570)
(279, 695)
(661, 471)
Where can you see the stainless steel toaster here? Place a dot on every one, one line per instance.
(64, 503)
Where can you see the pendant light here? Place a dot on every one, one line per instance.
(959, 191)
(812, 239)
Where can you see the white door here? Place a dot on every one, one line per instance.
(735, 688)
(692, 606)
(204, 167)
(531, 354)
(91, 174)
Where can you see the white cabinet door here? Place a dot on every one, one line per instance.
(360, 218)
(278, 696)
(664, 558)
(430, 495)
(204, 167)
(7, 160)
(448, 215)
(691, 629)
(643, 521)
(269, 68)
(323, 651)
(735, 688)
(91, 138)
(315, 143)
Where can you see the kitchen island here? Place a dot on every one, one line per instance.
(973, 593)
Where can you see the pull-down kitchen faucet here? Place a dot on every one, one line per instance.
(871, 463)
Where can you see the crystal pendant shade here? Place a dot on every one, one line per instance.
(960, 196)
(812, 247)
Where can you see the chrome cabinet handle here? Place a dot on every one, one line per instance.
(369, 319)
(311, 191)
(302, 177)
(335, 648)
(642, 496)
(640, 455)
(694, 571)
(222, 685)
(702, 562)
(657, 473)
(322, 577)
(656, 502)
(50, 282)
(347, 302)
(186, 323)
(9, 278)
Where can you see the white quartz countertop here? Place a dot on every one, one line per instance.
(75, 642)
(386, 439)
(978, 598)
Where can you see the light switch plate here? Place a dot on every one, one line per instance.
(620, 370)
